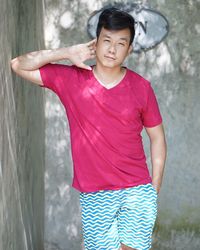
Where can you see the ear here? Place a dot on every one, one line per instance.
(96, 41)
(130, 50)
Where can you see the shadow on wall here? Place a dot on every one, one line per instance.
(22, 132)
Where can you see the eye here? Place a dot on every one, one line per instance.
(121, 44)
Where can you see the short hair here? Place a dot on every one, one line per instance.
(116, 19)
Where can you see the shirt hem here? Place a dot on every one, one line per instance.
(96, 189)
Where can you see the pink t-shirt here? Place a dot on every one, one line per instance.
(105, 126)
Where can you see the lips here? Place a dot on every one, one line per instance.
(110, 58)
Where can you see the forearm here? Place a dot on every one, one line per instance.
(77, 54)
(36, 59)
(158, 157)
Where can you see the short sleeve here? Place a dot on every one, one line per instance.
(54, 76)
(151, 115)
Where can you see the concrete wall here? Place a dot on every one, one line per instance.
(173, 69)
(21, 131)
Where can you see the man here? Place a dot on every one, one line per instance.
(107, 106)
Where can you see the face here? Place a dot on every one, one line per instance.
(112, 47)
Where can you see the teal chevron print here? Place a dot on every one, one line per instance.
(112, 217)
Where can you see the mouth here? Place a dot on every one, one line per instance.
(110, 58)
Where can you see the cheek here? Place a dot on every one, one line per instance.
(100, 50)
(122, 52)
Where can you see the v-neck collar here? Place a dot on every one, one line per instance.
(113, 87)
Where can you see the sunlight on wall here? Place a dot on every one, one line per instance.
(172, 68)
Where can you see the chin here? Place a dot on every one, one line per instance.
(110, 64)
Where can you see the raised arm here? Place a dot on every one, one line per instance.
(27, 65)
(158, 149)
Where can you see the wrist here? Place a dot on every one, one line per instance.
(60, 54)
(157, 185)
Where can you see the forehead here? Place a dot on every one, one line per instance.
(123, 34)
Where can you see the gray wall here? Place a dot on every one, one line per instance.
(173, 69)
(22, 131)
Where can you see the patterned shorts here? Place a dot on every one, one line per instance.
(112, 217)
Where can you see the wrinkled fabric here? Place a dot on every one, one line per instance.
(105, 126)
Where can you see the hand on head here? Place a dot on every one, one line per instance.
(82, 52)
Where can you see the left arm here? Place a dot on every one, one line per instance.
(158, 148)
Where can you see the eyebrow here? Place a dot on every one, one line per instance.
(121, 38)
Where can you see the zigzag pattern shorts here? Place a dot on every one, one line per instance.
(112, 217)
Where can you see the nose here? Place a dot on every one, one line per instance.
(112, 49)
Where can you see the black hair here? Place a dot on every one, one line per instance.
(116, 19)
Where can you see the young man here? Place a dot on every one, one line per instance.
(107, 106)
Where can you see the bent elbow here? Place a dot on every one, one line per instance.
(14, 64)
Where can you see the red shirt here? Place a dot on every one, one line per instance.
(105, 126)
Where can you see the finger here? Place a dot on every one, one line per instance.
(92, 51)
(92, 42)
(93, 56)
(84, 66)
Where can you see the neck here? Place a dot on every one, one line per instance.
(108, 72)
(108, 76)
